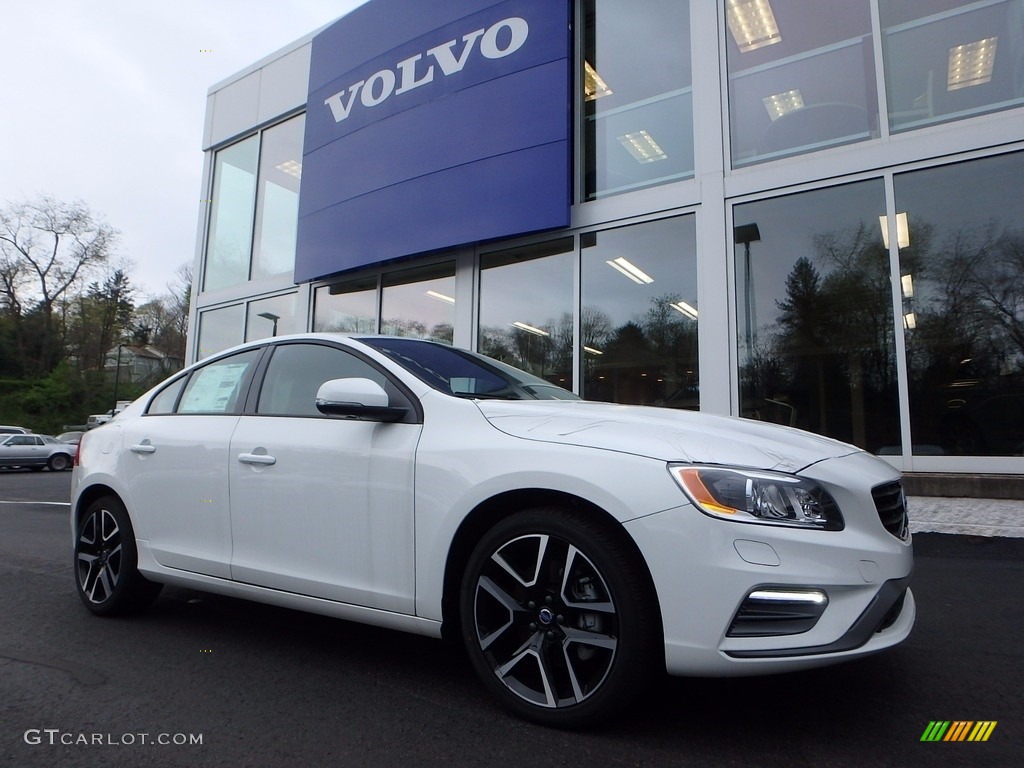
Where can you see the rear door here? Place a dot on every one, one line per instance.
(176, 463)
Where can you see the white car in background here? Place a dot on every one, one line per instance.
(576, 548)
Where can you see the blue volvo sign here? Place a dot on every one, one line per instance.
(433, 125)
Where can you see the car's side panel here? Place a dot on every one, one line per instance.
(332, 516)
(176, 472)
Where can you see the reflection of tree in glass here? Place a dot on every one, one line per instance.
(966, 353)
(828, 364)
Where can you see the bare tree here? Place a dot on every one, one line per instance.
(46, 247)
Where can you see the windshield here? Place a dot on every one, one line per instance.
(466, 374)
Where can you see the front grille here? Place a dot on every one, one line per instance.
(892, 508)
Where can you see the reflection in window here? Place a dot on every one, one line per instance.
(271, 317)
(219, 329)
(526, 309)
(949, 59)
(277, 202)
(961, 268)
(814, 305)
(639, 318)
(230, 238)
(296, 372)
(801, 76)
(347, 307)
(420, 303)
(638, 106)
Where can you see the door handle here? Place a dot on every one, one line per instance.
(143, 448)
(257, 458)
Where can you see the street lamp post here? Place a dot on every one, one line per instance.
(747, 234)
(272, 318)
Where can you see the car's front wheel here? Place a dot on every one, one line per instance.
(108, 580)
(559, 618)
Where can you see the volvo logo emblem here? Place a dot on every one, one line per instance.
(547, 616)
(496, 42)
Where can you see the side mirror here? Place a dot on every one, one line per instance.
(357, 399)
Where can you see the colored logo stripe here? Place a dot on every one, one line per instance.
(958, 730)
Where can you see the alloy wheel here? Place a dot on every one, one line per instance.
(545, 620)
(99, 556)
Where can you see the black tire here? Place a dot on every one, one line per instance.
(59, 462)
(106, 575)
(559, 618)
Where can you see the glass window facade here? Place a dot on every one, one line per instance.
(638, 321)
(230, 236)
(751, 184)
(219, 329)
(814, 304)
(420, 303)
(349, 307)
(526, 309)
(637, 100)
(950, 59)
(801, 76)
(277, 200)
(962, 285)
(274, 316)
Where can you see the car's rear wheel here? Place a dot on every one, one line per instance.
(106, 559)
(59, 462)
(558, 617)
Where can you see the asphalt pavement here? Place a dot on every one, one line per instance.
(229, 683)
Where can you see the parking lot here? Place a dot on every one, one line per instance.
(206, 680)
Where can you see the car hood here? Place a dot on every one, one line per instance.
(660, 433)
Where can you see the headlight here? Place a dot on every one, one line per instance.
(750, 496)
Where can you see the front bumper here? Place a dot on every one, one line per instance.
(705, 569)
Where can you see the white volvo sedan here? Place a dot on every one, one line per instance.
(576, 548)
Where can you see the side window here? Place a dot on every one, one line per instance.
(20, 440)
(217, 387)
(296, 372)
(164, 402)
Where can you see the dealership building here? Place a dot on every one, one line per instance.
(804, 213)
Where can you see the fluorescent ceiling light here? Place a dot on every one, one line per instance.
(440, 297)
(910, 321)
(630, 270)
(530, 329)
(907, 285)
(902, 230)
(593, 351)
(971, 63)
(780, 103)
(593, 86)
(686, 309)
(292, 168)
(642, 146)
(752, 24)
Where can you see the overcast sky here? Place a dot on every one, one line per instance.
(103, 102)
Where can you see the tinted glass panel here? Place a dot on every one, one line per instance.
(638, 105)
(230, 237)
(801, 76)
(348, 307)
(271, 317)
(815, 318)
(277, 202)
(526, 309)
(420, 303)
(639, 318)
(962, 279)
(949, 59)
(219, 329)
(296, 372)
